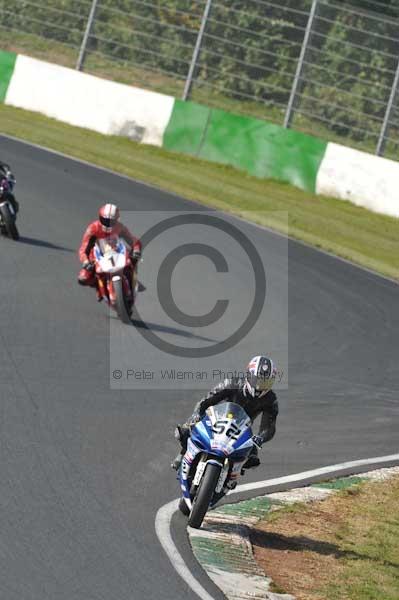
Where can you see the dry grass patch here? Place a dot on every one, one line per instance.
(342, 548)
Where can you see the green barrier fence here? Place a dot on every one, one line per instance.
(260, 148)
(7, 64)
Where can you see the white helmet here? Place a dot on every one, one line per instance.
(260, 376)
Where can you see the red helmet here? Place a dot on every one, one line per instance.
(108, 216)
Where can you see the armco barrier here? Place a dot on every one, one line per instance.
(260, 148)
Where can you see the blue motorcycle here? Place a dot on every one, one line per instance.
(217, 449)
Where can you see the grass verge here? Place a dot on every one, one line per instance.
(366, 238)
(343, 548)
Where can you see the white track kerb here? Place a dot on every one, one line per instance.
(165, 513)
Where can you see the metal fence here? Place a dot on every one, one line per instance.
(330, 68)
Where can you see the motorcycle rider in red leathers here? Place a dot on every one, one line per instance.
(106, 226)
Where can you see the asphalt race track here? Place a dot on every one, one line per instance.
(85, 468)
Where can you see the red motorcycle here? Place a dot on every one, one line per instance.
(116, 275)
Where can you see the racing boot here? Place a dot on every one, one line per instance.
(182, 433)
(176, 463)
(100, 297)
(252, 461)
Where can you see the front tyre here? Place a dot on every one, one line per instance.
(9, 222)
(120, 301)
(204, 495)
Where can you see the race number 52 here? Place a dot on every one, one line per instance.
(230, 430)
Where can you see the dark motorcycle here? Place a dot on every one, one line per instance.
(8, 211)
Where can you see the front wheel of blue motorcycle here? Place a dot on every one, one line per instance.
(204, 495)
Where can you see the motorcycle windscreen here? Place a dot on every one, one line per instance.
(111, 244)
(231, 412)
(110, 254)
(229, 428)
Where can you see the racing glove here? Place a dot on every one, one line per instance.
(89, 266)
(258, 441)
(195, 418)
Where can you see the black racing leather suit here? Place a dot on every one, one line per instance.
(6, 174)
(233, 390)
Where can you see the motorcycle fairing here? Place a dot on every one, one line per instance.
(208, 437)
(111, 255)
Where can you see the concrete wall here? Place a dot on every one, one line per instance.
(255, 146)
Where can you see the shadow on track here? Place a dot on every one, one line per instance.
(172, 330)
(43, 244)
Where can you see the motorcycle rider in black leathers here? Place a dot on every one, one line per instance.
(253, 393)
(7, 182)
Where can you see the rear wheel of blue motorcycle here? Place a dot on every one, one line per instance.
(204, 495)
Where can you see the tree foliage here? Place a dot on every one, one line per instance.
(250, 49)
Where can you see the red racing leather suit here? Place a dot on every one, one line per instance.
(96, 232)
